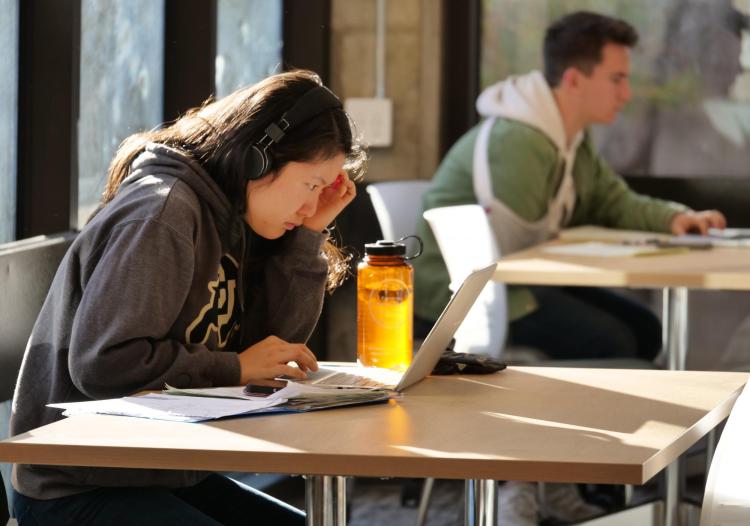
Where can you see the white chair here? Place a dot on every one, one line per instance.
(397, 205)
(727, 496)
(466, 242)
(26, 270)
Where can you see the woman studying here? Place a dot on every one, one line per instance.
(205, 265)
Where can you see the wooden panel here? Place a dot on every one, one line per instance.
(307, 36)
(189, 54)
(47, 199)
(460, 71)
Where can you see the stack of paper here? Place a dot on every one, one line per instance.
(717, 237)
(168, 407)
(195, 405)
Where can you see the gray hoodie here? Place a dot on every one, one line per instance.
(161, 281)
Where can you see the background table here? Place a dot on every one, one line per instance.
(714, 269)
(525, 423)
(675, 274)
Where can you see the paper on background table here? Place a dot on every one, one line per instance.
(597, 249)
(712, 240)
(598, 233)
(727, 238)
(730, 233)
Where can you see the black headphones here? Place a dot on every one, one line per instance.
(312, 103)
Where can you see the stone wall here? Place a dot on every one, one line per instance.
(412, 78)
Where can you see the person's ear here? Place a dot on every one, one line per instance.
(571, 78)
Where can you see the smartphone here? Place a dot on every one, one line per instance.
(261, 390)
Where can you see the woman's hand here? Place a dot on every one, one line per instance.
(333, 199)
(691, 222)
(269, 359)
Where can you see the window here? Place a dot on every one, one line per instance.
(120, 88)
(249, 42)
(8, 117)
(690, 113)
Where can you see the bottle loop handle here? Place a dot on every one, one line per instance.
(421, 246)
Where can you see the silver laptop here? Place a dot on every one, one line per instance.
(425, 359)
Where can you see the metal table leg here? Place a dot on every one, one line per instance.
(325, 500)
(675, 336)
(340, 501)
(424, 501)
(675, 323)
(481, 503)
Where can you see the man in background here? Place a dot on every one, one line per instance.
(532, 165)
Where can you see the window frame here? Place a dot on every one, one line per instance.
(460, 85)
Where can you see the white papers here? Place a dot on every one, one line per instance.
(169, 407)
(196, 405)
(729, 233)
(292, 390)
(597, 249)
(727, 237)
(213, 392)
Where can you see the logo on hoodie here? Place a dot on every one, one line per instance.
(218, 315)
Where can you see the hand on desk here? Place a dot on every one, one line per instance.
(697, 222)
(269, 359)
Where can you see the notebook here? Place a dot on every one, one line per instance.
(424, 360)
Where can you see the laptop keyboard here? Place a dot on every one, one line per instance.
(369, 377)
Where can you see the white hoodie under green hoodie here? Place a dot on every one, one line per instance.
(528, 159)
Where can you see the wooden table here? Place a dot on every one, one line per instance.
(525, 423)
(714, 269)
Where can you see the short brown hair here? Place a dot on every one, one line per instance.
(576, 40)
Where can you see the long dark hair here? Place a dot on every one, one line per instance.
(219, 134)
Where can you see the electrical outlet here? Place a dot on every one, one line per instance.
(373, 119)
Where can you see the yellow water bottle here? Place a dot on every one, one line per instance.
(385, 305)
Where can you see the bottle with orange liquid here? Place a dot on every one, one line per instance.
(385, 305)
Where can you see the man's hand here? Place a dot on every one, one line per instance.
(269, 359)
(333, 199)
(691, 222)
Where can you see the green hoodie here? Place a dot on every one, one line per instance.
(525, 175)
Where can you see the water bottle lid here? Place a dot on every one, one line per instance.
(385, 248)
(392, 248)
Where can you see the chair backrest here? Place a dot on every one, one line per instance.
(397, 205)
(726, 499)
(26, 271)
(466, 242)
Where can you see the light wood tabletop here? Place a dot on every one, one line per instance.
(712, 269)
(524, 423)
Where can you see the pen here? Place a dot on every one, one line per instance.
(664, 251)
